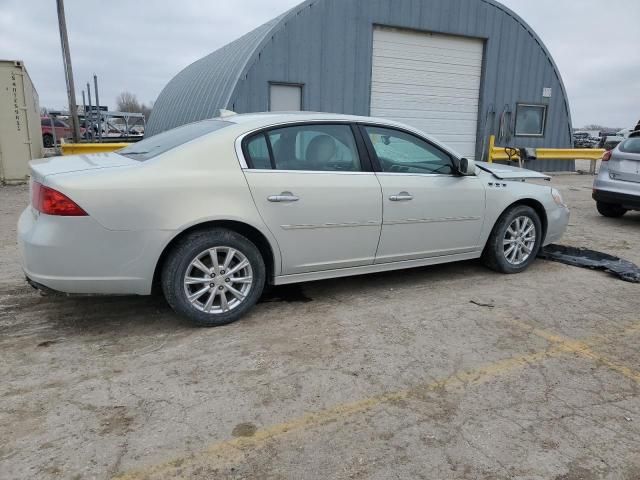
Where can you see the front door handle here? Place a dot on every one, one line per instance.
(401, 197)
(284, 197)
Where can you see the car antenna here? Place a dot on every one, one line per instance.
(222, 113)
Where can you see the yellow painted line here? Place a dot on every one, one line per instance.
(230, 451)
(618, 367)
(630, 330)
(582, 348)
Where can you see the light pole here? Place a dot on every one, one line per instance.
(68, 70)
(95, 84)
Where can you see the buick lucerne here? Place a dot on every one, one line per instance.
(213, 211)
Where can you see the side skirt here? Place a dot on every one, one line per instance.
(368, 269)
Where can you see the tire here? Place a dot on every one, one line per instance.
(516, 256)
(610, 210)
(47, 140)
(239, 297)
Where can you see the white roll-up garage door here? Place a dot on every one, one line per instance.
(429, 81)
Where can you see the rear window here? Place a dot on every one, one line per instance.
(163, 142)
(632, 145)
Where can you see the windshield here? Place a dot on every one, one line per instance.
(163, 142)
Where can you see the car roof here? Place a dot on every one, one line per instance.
(276, 117)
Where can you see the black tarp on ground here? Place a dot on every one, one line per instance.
(580, 257)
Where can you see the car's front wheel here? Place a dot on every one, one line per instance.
(213, 277)
(610, 210)
(515, 240)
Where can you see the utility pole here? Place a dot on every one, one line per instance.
(68, 70)
(84, 111)
(95, 84)
(90, 114)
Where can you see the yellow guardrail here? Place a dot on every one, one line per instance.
(88, 148)
(495, 153)
(513, 154)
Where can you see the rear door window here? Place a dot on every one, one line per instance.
(258, 152)
(313, 147)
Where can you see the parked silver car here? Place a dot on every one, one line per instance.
(617, 187)
(213, 211)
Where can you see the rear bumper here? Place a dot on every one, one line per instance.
(77, 255)
(630, 202)
(617, 192)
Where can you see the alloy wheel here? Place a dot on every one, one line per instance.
(520, 240)
(218, 280)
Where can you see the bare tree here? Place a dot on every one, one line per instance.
(601, 128)
(146, 109)
(128, 102)
(595, 127)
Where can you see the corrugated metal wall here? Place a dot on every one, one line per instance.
(327, 46)
(204, 87)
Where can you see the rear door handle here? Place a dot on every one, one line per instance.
(284, 197)
(401, 197)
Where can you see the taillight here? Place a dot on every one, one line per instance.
(51, 202)
(607, 156)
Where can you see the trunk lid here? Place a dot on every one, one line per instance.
(507, 172)
(625, 167)
(76, 163)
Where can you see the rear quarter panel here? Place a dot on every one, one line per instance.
(190, 185)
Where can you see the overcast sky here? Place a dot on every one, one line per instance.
(139, 46)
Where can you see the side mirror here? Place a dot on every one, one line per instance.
(467, 167)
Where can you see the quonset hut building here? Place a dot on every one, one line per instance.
(460, 70)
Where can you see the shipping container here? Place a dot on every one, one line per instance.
(20, 132)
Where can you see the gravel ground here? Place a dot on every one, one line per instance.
(447, 372)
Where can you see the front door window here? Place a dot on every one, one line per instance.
(400, 152)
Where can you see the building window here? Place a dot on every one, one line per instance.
(285, 97)
(530, 120)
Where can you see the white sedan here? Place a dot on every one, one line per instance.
(213, 211)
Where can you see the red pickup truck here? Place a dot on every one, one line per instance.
(62, 130)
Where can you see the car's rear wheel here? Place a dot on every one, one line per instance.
(610, 210)
(213, 277)
(47, 140)
(515, 240)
